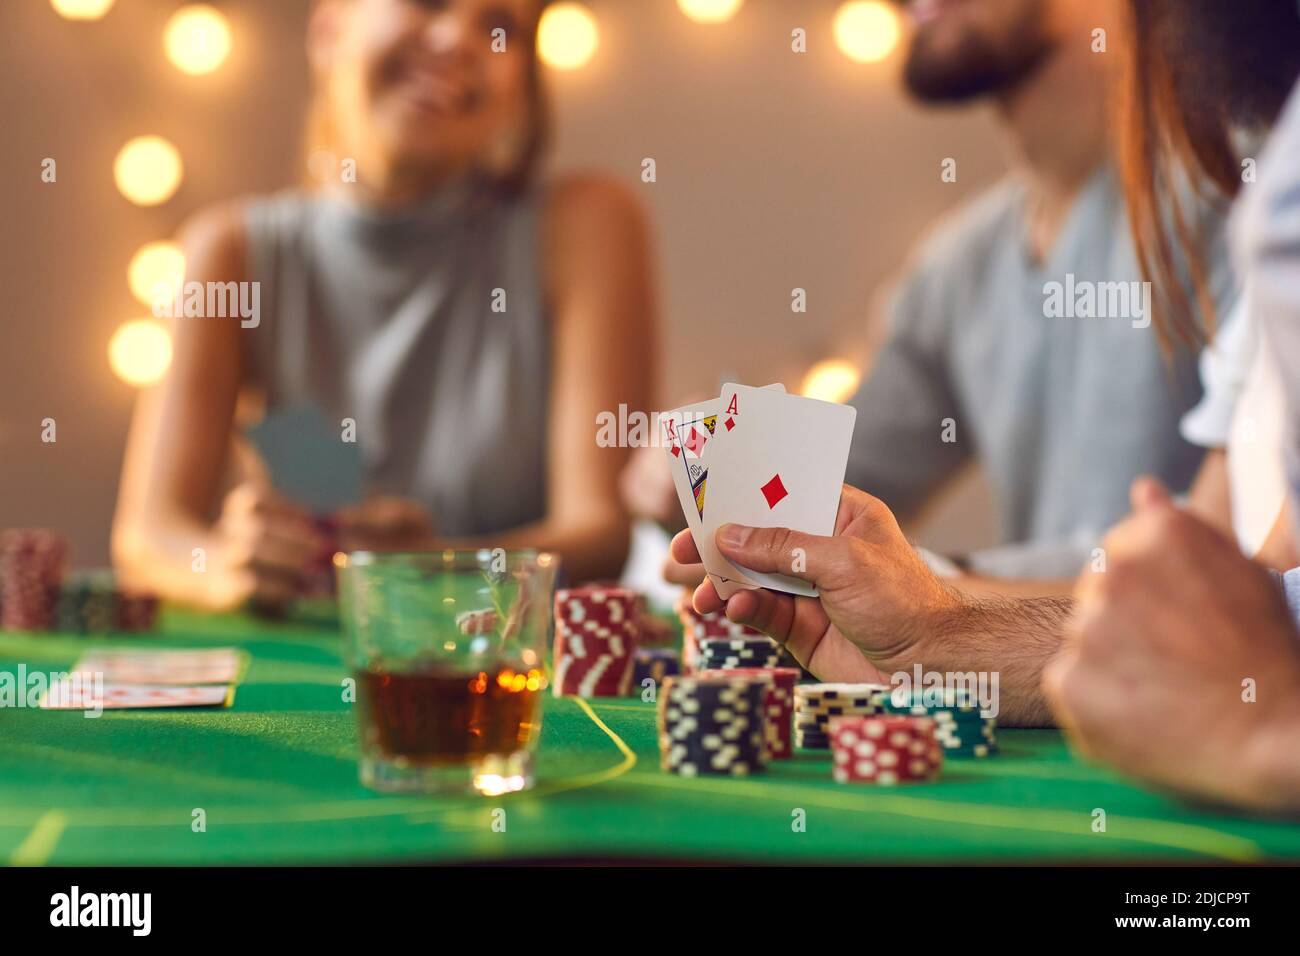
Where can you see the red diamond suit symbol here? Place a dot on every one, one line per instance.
(774, 491)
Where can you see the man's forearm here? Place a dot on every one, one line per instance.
(982, 588)
(1014, 639)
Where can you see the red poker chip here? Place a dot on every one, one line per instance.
(715, 624)
(620, 602)
(605, 676)
(590, 645)
(626, 629)
(32, 566)
(596, 637)
(884, 749)
(578, 607)
(136, 611)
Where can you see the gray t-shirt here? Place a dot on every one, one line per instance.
(1061, 412)
(426, 326)
(1290, 584)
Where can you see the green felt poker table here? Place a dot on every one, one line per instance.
(275, 775)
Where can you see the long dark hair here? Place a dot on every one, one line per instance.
(1198, 72)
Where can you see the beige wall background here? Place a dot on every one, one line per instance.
(775, 171)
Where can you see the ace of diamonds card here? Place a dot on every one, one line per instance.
(778, 461)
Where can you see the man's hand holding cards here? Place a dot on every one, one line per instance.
(757, 457)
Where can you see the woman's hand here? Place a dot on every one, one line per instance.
(263, 545)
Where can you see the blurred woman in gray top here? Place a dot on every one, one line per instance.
(467, 324)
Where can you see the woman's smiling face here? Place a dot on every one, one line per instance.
(423, 82)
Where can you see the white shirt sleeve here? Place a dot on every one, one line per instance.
(1224, 366)
(1266, 238)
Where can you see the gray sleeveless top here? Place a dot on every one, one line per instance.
(387, 319)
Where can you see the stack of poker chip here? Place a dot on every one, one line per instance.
(137, 611)
(712, 725)
(778, 705)
(595, 641)
(724, 653)
(87, 603)
(885, 749)
(816, 705)
(654, 663)
(32, 565)
(651, 629)
(698, 627)
(90, 602)
(960, 727)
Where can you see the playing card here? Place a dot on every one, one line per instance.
(220, 665)
(71, 694)
(305, 459)
(688, 435)
(779, 462)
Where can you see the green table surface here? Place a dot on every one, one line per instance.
(276, 777)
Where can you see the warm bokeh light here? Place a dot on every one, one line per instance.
(710, 11)
(140, 352)
(831, 380)
(155, 264)
(866, 30)
(81, 9)
(197, 39)
(148, 170)
(567, 36)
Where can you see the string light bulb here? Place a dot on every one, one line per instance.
(831, 380)
(81, 9)
(710, 11)
(140, 352)
(155, 267)
(148, 170)
(567, 36)
(866, 31)
(197, 39)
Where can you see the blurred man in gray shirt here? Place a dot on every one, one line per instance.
(1021, 335)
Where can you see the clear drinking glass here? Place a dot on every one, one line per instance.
(448, 650)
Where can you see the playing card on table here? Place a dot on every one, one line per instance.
(219, 665)
(73, 694)
(779, 462)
